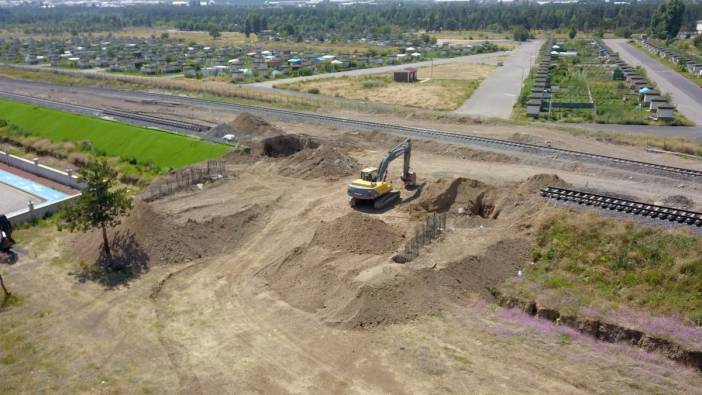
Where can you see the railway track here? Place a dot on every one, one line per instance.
(433, 134)
(631, 207)
(408, 131)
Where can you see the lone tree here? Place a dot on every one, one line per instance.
(520, 33)
(100, 205)
(215, 33)
(572, 32)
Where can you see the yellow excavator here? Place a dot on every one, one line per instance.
(373, 187)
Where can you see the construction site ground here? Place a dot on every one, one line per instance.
(268, 282)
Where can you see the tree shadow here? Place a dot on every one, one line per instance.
(129, 260)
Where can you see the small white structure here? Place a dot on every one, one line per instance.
(699, 27)
(229, 138)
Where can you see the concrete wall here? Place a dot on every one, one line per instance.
(36, 168)
(39, 211)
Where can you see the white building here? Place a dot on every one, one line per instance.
(699, 27)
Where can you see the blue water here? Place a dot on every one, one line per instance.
(30, 186)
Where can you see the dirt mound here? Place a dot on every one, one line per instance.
(356, 291)
(248, 126)
(287, 144)
(417, 292)
(324, 161)
(538, 182)
(359, 234)
(679, 201)
(148, 237)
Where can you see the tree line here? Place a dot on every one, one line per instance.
(363, 20)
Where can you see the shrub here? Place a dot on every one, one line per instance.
(313, 91)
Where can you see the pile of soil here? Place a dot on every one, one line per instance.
(359, 234)
(340, 292)
(251, 126)
(538, 182)
(287, 144)
(146, 237)
(417, 292)
(679, 201)
(323, 162)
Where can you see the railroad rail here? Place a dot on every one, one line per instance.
(671, 214)
(142, 119)
(408, 131)
(198, 128)
(433, 134)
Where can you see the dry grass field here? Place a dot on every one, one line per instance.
(442, 88)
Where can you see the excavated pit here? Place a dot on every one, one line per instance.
(286, 145)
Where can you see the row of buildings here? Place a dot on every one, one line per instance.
(649, 97)
(691, 65)
(151, 56)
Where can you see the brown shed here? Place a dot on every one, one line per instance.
(407, 75)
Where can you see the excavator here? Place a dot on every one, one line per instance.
(373, 187)
(6, 241)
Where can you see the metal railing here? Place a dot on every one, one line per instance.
(431, 229)
(184, 179)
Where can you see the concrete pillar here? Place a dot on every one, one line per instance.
(36, 161)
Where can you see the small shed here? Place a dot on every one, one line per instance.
(665, 112)
(407, 75)
(533, 107)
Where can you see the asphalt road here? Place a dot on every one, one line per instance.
(686, 95)
(496, 96)
(479, 58)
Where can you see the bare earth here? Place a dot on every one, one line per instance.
(268, 282)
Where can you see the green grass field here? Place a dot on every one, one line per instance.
(166, 150)
(589, 260)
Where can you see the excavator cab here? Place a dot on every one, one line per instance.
(369, 174)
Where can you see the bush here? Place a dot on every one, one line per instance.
(313, 91)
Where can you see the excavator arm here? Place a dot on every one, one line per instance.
(404, 148)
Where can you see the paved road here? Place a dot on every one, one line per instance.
(687, 96)
(496, 96)
(479, 58)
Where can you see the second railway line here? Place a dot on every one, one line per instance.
(307, 117)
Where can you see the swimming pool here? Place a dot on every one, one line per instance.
(31, 187)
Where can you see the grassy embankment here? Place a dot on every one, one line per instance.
(592, 262)
(138, 153)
